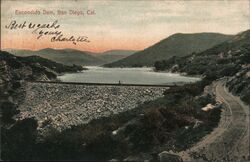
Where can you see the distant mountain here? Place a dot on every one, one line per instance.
(175, 45)
(64, 56)
(118, 52)
(115, 55)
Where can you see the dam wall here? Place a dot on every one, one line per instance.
(64, 105)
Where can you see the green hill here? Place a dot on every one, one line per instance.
(175, 45)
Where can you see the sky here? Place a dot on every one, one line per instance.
(129, 25)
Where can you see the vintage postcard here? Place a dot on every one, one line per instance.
(115, 80)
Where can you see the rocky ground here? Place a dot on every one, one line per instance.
(62, 106)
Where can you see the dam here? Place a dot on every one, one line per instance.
(62, 105)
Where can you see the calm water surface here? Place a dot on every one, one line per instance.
(125, 76)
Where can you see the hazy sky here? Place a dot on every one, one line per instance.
(116, 24)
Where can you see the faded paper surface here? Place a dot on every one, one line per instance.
(125, 80)
(129, 25)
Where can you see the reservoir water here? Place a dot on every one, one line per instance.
(125, 76)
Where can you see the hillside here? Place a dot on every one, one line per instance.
(175, 45)
(115, 55)
(64, 56)
(229, 59)
(229, 53)
(30, 68)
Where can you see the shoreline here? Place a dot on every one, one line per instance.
(100, 75)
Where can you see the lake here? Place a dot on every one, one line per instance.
(125, 76)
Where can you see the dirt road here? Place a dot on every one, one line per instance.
(229, 142)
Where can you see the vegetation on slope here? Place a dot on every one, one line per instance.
(239, 84)
(229, 59)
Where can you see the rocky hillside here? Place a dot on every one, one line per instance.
(239, 84)
(175, 45)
